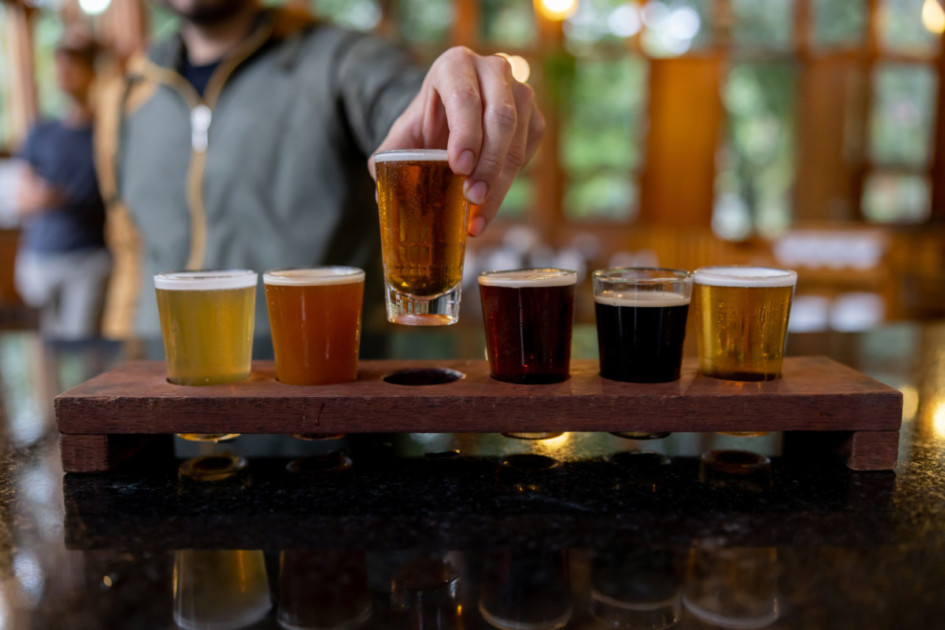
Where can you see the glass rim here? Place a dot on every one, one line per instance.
(412, 155)
(745, 276)
(614, 274)
(206, 280)
(546, 277)
(313, 276)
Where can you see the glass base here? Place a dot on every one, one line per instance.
(212, 467)
(412, 310)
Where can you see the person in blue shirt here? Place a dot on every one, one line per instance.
(62, 265)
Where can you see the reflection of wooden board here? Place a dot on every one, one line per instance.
(99, 418)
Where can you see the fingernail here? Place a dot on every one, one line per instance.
(477, 226)
(466, 162)
(476, 192)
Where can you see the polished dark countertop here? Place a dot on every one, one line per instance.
(476, 531)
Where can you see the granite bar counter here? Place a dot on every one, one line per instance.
(579, 530)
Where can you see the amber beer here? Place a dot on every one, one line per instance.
(641, 322)
(743, 320)
(315, 318)
(528, 315)
(207, 325)
(423, 215)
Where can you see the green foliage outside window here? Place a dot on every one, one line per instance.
(839, 23)
(601, 137)
(758, 170)
(426, 21)
(768, 24)
(903, 120)
(48, 30)
(896, 198)
(4, 84)
(506, 23)
(901, 28)
(362, 15)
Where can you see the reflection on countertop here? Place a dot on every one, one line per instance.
(464, 531)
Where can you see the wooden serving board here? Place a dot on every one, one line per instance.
(112, 414)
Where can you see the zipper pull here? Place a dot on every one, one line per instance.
(200, 117)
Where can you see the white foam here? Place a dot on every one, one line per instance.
(745, 277)
(649, 299)
(529, 278)
(314, 276)
(412, 155)
(206, 280)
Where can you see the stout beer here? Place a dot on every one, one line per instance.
(640, 335)
(315, 319)
(423, 215)
(743, 320)
(528, 316)
(207, 325)
(641, 322)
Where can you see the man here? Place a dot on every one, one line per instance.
(62, 266)
(244, 142)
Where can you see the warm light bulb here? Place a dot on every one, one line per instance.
(94, 7)
(556, 10)
(933, 17)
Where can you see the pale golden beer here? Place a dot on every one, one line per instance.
(220, 589)
(315, 318)
(207, 325)
(742, 320)
(423, 215)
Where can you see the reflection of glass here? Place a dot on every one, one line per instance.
(733, 587)
(528, 315)
(641, 322)
(526, 590)
(425, 595)
(315, 319)
(219, 590)
(323, 589)
(636, 590)
(742, 320)
(423, 214)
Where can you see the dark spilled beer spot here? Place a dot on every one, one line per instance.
(320, 463)
(638, 460)
(641, 435)
(423, 376)
(530, 462)
(441, 455)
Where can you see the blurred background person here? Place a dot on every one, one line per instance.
(62, 266)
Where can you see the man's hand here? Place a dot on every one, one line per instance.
(486, 120)
(34, 194)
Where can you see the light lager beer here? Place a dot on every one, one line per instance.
(315, 319)
(207, 325)
(743, 320)
(423, 215)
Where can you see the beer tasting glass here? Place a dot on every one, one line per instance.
(315, 318)
(743, 320)
(207, 325)
(641, 322)
(528, 315)
(423, 215)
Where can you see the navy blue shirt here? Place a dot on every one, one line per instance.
(62, 155)
(198, 76)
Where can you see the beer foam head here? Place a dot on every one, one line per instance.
(529, 278)
(412, 155)
(314, 276)
(651, 299)
(736, 276)
(206, 280)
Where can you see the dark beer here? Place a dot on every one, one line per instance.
(640, 335)
(528, 316)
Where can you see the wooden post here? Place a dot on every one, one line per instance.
(23, 101)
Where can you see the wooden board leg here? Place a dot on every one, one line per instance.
(871, 450)
(100, 453)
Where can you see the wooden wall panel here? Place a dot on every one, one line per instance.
(685, 115)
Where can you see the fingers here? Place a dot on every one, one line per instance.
(522, 145)
(499, 124)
